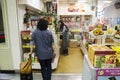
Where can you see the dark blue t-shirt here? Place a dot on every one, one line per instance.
(43, 41)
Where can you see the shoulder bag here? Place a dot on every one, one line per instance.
(26, 67)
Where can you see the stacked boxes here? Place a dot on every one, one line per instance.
(73, 43)
(101, 56)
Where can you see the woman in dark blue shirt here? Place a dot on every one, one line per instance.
(43, 41)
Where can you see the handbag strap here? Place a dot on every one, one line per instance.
(28, 62)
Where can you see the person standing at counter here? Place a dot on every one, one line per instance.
(44, 48)
(64, 36)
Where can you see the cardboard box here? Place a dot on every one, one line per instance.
(73, 43)
(99, 54)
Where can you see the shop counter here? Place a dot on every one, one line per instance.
(91, 73)
(83, 48)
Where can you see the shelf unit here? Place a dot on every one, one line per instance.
(25, 38)
(75, 22)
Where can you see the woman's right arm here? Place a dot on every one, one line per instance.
(64, 29)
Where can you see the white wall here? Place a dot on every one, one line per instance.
(36, 4)
(14, 33)
(10, 51)
(111, 12)
(21, 12)
(5, 52)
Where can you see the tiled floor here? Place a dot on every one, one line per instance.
(71, 71)
(72, 63)
(37, 76)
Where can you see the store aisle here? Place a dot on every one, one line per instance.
(71, 63)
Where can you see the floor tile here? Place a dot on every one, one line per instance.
(37, 76)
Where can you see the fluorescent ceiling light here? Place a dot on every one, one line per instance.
(81, 1)
(107, 1)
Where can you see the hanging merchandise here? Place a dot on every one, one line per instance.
(54, 7)
(49, 7)
(26, 16)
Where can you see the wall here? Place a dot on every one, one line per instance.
(21, 12)
(5, 52)
(63, 10)
(14, 33)
(10, 51)
(111, 12)
(36, 4)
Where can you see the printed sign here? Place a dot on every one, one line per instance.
(108, 74)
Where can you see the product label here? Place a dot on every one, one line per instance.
(108, 74)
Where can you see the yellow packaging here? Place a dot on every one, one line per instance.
(110, 60)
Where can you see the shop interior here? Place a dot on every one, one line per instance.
(94, 26)
(84, 31)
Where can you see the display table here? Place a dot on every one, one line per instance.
(83, 48)
(89, 72)
(92, 73)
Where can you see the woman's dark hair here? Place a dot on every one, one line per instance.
(62, 24)
(42, 25)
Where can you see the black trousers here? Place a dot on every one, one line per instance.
(65, 51)
(46, 68)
